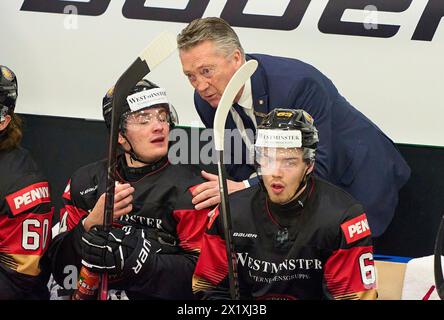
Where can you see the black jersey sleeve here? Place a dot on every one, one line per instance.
(79, 196)
(350, 271)
(64, 254)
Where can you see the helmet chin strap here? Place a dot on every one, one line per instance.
(131, 152)
(299, 188)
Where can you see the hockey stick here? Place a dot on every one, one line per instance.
(230, 92)
(439, 280)
(156, 52)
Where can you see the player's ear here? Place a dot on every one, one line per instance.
(121, 139)
(4, 123)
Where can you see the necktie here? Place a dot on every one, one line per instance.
(248, 123)
(243, 122)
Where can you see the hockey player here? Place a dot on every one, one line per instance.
(295, 236)
(151, 251)
(25, 206)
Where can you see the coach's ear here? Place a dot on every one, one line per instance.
(310, 167)
(4, 123)
(238, 58)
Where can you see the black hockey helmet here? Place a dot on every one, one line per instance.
(8, 91)
(139, 101)
(291, 119)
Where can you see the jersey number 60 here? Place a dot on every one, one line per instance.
(32, 231)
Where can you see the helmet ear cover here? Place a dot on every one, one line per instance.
(8, 91)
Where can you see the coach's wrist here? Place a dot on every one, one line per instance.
(234, 186)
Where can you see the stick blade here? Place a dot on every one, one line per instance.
(159, 49)
(237, 81)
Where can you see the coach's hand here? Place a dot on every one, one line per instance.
(122, 205)
(207, 194)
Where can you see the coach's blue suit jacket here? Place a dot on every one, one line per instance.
(353, 153)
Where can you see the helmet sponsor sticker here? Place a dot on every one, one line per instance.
(147, 98)
(279, 138)
(285, 114)
(7, 74)
(110, 92)
(308, 117)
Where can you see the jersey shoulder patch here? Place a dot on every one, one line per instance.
(356, 228)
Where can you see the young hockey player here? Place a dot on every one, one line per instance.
(295, 236)
(151, 251)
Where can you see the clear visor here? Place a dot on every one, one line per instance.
(146, 117)
(271, 159)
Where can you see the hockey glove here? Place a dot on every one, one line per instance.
(151, 242)
(107, 251)
(124, 249)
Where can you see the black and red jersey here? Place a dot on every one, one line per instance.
(316, 247)
(162, 200)
(25, 224)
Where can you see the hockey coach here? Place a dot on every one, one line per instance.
(353, 154)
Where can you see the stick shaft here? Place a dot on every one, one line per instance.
(439, 279)
(226, 217)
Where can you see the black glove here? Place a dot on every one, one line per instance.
(107, 251)
(151, 241)
(125, 249)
